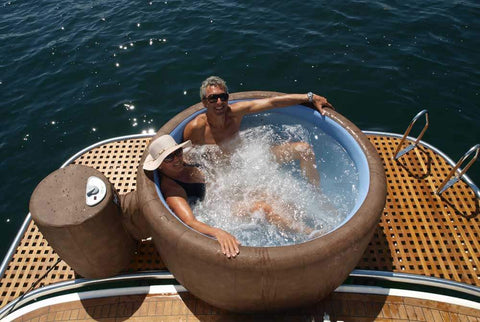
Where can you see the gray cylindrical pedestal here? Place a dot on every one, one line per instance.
(89, 238)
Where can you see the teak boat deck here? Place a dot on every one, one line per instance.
(419, 232)
(185, 307)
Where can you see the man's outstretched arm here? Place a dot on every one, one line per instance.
(264, 104)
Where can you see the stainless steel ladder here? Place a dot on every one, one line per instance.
(410, 147)
(456, 173)
(449, 181)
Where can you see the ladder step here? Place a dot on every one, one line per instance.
(413, 145)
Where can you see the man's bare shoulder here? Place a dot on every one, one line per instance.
(195, 127)
(198, 121)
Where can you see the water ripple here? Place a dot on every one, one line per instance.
(67, 70)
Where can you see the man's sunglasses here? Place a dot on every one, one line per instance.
(169, 158)
(214, 97)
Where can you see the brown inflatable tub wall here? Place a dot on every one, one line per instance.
(263, 278)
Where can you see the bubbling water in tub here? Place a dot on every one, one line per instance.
(249, 176)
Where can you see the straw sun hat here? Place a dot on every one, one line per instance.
(159, 149)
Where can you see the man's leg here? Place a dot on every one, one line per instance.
(303, 152)
(283, 221)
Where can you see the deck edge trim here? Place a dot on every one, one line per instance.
(175, 289)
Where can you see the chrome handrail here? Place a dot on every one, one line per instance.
(14, 245)
(442, 154)
(77, 284)
(449, 181)
(398, 153)
(417, 279)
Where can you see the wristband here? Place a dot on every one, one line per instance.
(310, 97)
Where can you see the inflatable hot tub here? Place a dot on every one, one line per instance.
(269, 278)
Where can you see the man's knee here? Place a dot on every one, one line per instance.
(262, 205)
(293, 151)
(304, 149)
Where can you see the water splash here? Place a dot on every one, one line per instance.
(262, 202)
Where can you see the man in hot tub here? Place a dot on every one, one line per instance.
(221, 123)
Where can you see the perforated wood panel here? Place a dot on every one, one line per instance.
(118, 161)
(420, 232)
(31, 261)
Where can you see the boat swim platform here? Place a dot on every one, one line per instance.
(419, 232)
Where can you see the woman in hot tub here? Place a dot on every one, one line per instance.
(181, 183)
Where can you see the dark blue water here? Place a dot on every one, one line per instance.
(76, 72)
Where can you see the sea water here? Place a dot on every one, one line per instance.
(235, 183)
(75, 73)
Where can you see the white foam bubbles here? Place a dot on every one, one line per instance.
(258, 200)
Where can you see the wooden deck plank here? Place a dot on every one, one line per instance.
(179, 308)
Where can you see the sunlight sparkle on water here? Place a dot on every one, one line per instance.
(148, 131)
(129, 106)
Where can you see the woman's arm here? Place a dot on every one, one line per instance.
(176, 199)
